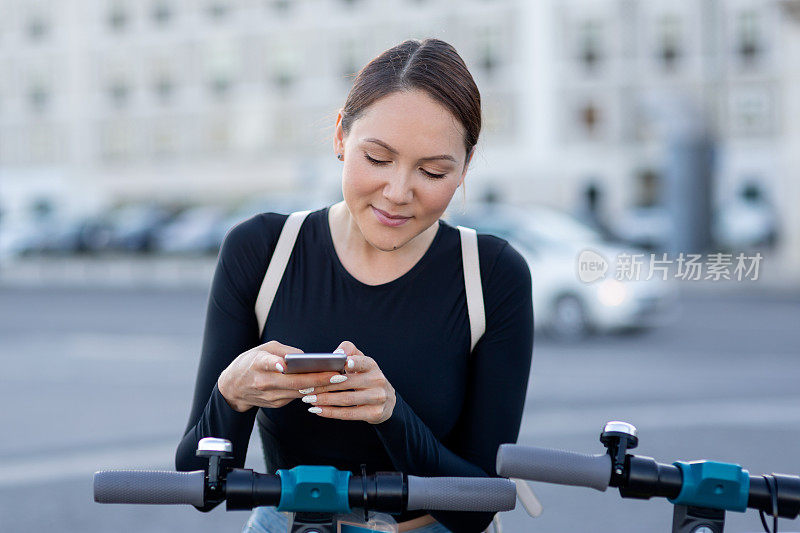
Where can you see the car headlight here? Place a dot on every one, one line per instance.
(612, 292)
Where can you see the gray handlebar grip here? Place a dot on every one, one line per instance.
(461, 494)
(554, 466)
(149, 486)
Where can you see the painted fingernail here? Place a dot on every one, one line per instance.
(279, 367)
(339, 350)
(310, 399)
(351, 364)
(315, 410)
(338, 378)
(306, 391)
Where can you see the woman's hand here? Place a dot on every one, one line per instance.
(256, 379)
(366, 395)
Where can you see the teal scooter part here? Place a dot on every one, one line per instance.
(314, 489)
(714, 485)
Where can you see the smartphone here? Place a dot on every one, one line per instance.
(298, 363)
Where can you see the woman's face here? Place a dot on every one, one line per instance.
(404, 158)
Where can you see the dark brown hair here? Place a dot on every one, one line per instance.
(432, 66)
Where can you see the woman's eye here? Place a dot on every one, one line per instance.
(375, 161)
(432, 175)
(381, 162)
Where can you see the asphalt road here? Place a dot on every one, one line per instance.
(103, 378)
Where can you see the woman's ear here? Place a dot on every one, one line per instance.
(338, 135)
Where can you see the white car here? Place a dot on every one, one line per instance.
(552, 243)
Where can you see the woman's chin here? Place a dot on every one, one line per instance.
(386, 244)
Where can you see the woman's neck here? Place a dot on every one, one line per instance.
(367, 263)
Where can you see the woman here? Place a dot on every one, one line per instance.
(379, 277)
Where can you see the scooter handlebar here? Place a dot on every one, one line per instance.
(461, 494)
(554, 466)
(149, 487)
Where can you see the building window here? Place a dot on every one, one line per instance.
(218, 135)
(589, 45)
(165, 140)
(218, 10)
(648, 188)
(38, 97)
(284, 60)
(281, 6)
(220, 86)
(283, 80)
(119, 92)
(749, 36)
(117, 18)
(164, 88)
(489, 49)
(499, 116)
(162, 13)
(752, 111)
(669, 48)
(117, 141)
(37, 28)
(589, 117)
(43, 145)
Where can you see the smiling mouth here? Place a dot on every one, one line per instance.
(387, 215)
(389, 220)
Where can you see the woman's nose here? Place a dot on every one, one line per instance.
(398, 189)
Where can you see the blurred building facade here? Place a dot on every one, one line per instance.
(210, 100)
(203, 99)
(635, 78)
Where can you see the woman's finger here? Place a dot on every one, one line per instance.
(311, 380)
(348, 348)
(276, 378)
(271, 362)
(347, 398)
(278, 348)
(367, 413)
(359, 363)
(354, 381)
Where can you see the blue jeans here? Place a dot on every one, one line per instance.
(270, 520)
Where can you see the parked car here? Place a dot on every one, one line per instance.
(747, 221)
(58, 232)
(566, 307)
(644, 227)
(276, 203)
(16, 237)
(192, 231)
(134, 226)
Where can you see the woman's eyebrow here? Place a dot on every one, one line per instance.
(392, 150)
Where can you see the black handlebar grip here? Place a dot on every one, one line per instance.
(149, 486)
(461, 494)
(554, 466)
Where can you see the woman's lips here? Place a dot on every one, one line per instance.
(388, 220)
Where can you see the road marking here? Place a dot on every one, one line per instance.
(773, 412)
(49, 467)
(83, 464)
(126, 347)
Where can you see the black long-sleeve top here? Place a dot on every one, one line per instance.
(454, 408)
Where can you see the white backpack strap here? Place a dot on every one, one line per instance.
(277, 265)
(472, 283)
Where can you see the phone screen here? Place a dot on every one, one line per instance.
(298, 363)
